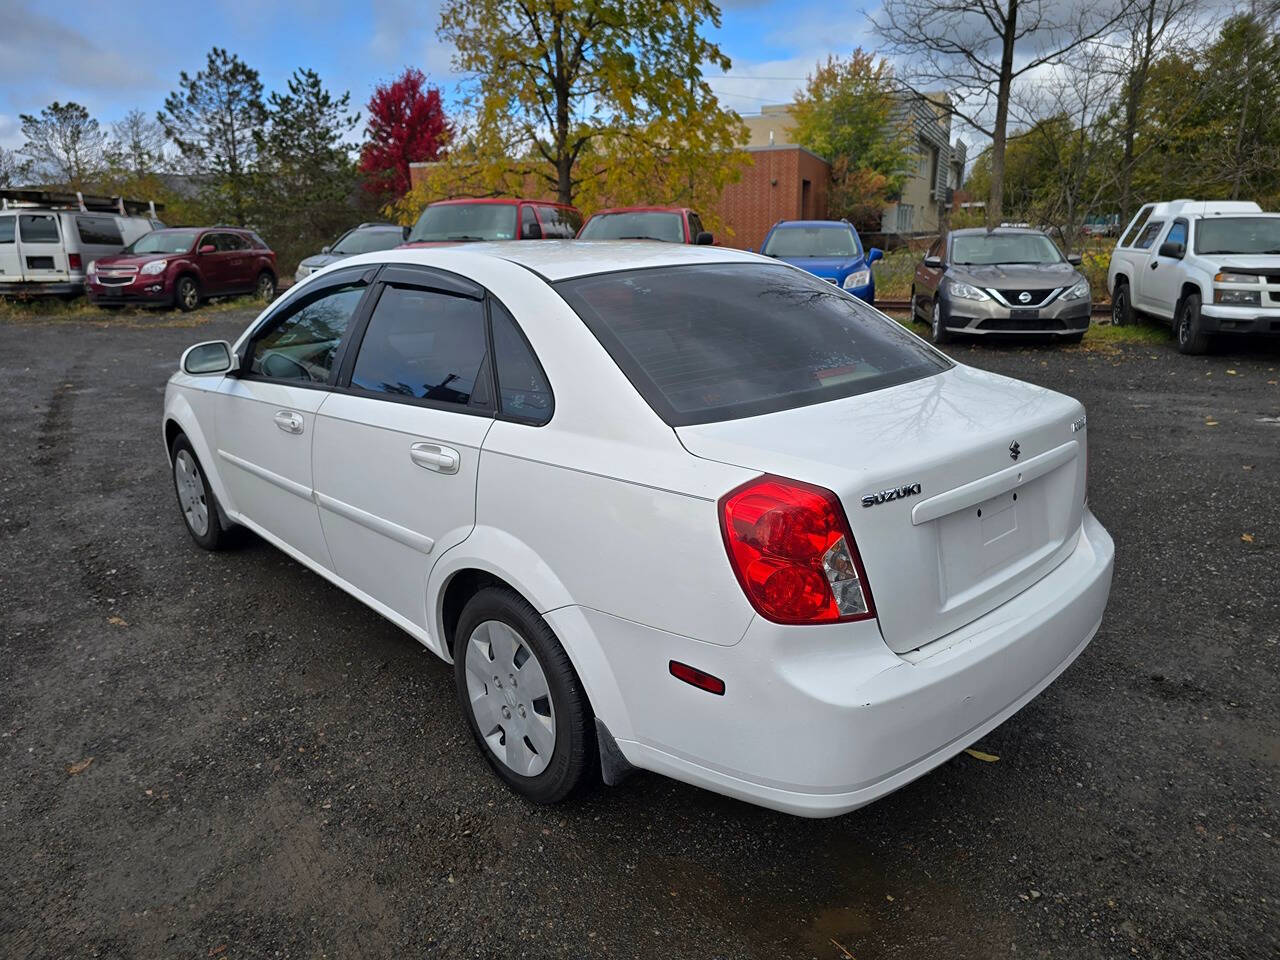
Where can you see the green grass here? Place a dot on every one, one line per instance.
(56, 310)
(895, 272)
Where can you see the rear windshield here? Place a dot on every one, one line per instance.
(811, 242)
(163, 241)
(465, 221)
(709, 342)
(650, 225)
(1238, 235)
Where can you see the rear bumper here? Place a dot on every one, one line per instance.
(818, 721)
(38, 288)
(1220, 318)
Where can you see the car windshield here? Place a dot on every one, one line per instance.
(986, 249)
(710, 342)
(163, 241)
(637, 225)
(465, 221)
(367, 241)
(834, 241)
(1241, 235)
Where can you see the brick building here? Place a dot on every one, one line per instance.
(781, 183)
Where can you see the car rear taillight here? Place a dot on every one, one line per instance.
(791, 548)
(73, 261)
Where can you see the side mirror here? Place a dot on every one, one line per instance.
(208, 248)
(325, 249)
(874, 254)
(1173, 251)
(933, 263)
(531, 231)
(204, 359)
(1074, 259)
(704, 239)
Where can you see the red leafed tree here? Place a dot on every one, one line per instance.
(407, 124)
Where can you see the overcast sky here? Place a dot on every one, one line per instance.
(112, 58)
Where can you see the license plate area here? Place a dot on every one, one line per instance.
(1021, 313)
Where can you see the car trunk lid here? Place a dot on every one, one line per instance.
(973, 485)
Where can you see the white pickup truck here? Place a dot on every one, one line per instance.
(1207, 267)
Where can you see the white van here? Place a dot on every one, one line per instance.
(48, 239)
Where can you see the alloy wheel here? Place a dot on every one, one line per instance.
(191, 493)
(509, 698)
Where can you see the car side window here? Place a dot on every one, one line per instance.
(1149, 234)
(935, 249)
(695, 226)
(1177, 233)
(38, 228)
(101, 231)
(424, 345)
(301, 341)
(228, 242)
(1139, 222)
(528, 221)
(6, 229)
(555, 223)
(523, 391)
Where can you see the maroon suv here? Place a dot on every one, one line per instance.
(184, 265)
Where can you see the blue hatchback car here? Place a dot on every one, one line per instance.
(830, 249)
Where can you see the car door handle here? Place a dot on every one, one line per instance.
(435, 457)
(1154, 265)
(288, 421)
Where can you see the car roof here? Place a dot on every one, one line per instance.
(506, 200)
(975, 231)
(556, 260)
(641, 209)
(782, 224)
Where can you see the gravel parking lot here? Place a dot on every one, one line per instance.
(222, 756)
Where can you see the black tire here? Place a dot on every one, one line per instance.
(938, 331)
(574, 764)
(186, 294)
(212, 536)
(915, 305)
(1187, 326)
(1121, 308)
(265, 287)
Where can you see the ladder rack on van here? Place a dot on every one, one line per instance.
(76, 200)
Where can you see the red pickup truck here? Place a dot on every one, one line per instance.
(183, 265)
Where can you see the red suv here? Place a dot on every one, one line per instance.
(454, 221)
(672, 224)
(184, 265)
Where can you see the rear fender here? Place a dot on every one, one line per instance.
(528, 574)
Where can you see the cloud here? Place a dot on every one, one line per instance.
(36, 51)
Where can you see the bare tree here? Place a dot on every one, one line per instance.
(13, 168)
(64, 144)
(976, 50)
(138, 144)
(1147, 31)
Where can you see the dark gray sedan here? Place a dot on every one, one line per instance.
(1009, 280)
(366, 238)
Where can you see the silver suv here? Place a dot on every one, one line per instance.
(1007, 280)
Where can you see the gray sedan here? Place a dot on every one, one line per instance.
(366, 238)
(1008, 280)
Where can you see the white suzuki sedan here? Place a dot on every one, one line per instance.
(671, 507)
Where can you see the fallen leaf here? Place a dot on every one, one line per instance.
(1211, 423)
(979, 755)
(1247, 537)
(1231, 372)
(80, 767)
(117, 621)
(220, 948)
